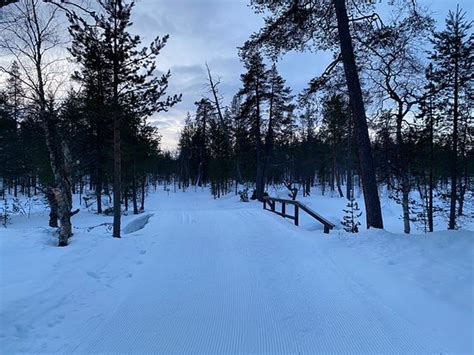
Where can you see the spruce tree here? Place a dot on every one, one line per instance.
(352, 213)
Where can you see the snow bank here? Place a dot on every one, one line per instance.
(137, 224)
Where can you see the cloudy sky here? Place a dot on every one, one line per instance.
(211, 30)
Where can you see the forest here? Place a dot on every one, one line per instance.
(393, 110)
(236, 177)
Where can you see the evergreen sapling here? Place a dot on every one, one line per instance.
(352, 213)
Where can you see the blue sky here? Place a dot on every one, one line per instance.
(211, 30)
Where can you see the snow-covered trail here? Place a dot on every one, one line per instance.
(233, 281)
(208, 276)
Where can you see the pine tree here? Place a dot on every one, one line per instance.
(294, 25)
(429, 116)
(254, 92)
(185, 149)
(280, 127)
(133, 87)
(205, 114)
(453, 70)
(335, 127)
(266, 109)
(95, 75)
(15, 91)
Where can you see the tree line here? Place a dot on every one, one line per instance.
(414, 84)
(393, 109)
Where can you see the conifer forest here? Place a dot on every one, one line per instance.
(174, 122)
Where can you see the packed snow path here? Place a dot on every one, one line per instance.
(240, 280)
(230, 281)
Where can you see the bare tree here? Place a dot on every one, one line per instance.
(395, 69)
(213, 85)
(31, 35)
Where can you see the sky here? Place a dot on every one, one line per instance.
(210, 31)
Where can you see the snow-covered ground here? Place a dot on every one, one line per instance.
(222, 276)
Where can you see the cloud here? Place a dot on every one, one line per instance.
(210, 31)
(200, 31)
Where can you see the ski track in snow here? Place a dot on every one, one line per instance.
(217, 280)
(214, 288)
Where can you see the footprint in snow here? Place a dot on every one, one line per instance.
(93, 275)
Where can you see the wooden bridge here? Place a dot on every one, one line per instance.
(271, 202)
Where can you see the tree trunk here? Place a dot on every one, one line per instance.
(454, 158)
(367, 170)
(117, 137)
(402, 171)
(338, 183)
(53, 208)
(259, 183)
(349, 161)
(98, 193)
(406, 206)
(260, 178)
(333, 171)
(117, 177)
(462, 194)
(53, 215)
(134, 192)
(59, 166)
(430, 182)
(142, 207)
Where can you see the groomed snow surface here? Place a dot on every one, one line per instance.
(222, 276)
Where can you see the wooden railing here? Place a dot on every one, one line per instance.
(271, 202)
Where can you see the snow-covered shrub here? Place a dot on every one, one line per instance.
(89, 200)
(244, 195)
(108, 211)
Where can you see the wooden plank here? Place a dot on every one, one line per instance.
(272, 202)
(316, 216)
(290, 202)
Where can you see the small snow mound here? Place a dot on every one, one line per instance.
(137, 224)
